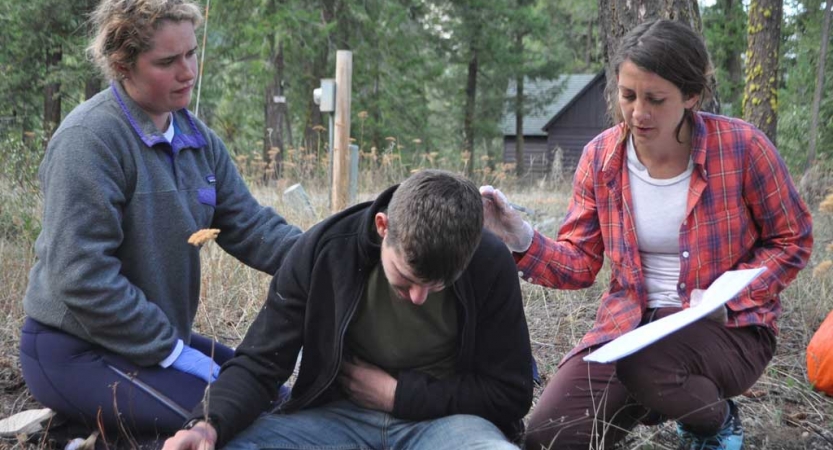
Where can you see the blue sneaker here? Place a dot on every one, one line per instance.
(730, 437)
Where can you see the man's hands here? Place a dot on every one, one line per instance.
(196, 363)
(500, 218)
(367, 385)
(719, 315)
(201, 436)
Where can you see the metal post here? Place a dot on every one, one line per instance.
(354, 172)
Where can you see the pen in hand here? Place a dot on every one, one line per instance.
(522, 209)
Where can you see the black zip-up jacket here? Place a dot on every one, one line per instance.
(315, 295)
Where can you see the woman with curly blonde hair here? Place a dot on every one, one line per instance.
(128, 176)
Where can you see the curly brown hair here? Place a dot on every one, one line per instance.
(124, 29)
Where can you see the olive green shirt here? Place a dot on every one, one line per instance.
(394, 334)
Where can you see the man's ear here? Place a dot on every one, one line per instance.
(381, 224)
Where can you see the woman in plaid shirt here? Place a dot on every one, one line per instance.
(673, 198)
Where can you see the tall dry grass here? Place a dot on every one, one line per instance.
(781, 412)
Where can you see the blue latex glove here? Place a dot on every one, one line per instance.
(197, 364)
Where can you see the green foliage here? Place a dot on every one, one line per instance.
(725, 32)
(410, 62)
(724, 28)
(391, 67)
(19, 160)
(409, 67)
(800, 49)
(19, 194)
(28, 30)
(571, 35)
(20, 218)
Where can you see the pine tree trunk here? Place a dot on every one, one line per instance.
(92, 84)
(52, 91)
(314, 140)
(519, 112)
(589, 45)
(520, 166)
(733, 63)
(468, 120)
(814, 124)
(275, 113)
(375, 108)
(375, 127)
(618, 17)
(760, 98)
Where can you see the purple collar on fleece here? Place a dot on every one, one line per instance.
(189, 137)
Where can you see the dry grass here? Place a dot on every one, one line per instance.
(784, 412)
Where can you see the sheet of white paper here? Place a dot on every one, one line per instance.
(721, 291)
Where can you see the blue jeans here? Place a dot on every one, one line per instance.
(342, 425)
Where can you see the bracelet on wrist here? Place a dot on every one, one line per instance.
(193, 422)
(208, 432)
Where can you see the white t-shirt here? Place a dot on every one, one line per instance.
(169, 133)
(659, 209)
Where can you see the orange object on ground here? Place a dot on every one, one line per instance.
(820, 357)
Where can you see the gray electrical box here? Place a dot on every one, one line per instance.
(327, 102)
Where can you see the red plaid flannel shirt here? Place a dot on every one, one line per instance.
(743, 211)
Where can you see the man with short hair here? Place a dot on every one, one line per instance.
(412, 325)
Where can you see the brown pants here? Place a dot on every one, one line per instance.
(686, 377)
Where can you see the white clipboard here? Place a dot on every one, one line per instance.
(721, 291)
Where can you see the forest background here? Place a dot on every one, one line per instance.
(429, 89)
(429, 76)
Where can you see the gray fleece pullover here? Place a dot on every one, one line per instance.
(114, 266)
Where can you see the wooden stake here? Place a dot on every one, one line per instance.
(341, 151)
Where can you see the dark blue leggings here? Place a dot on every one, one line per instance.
(89, 384)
